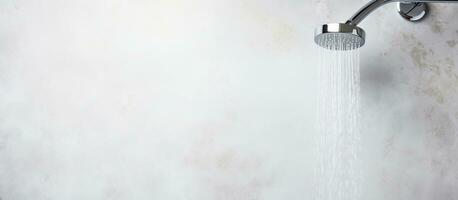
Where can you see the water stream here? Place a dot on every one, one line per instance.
(338, 147)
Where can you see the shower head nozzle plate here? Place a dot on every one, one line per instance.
(339, 36)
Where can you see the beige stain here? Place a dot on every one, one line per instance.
(434, 81)
(452, 43)
(441, 143)
(435, 23)
(439, 74)
(434, 92)
(419, 55)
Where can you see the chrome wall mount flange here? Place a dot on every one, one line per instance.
(413, 11)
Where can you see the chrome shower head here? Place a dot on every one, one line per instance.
(339, 36)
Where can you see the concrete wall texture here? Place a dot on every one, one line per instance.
(214, 100)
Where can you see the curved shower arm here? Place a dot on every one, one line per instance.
(374, 4)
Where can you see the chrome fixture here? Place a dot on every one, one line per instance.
(412, 10)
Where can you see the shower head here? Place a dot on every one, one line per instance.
(339, 36)
(347, 36)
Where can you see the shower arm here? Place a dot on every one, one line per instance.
(374, 4)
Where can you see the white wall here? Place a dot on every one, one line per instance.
(207, 100)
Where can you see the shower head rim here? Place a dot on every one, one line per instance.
(343, 28)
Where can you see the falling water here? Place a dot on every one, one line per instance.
(338, 171)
